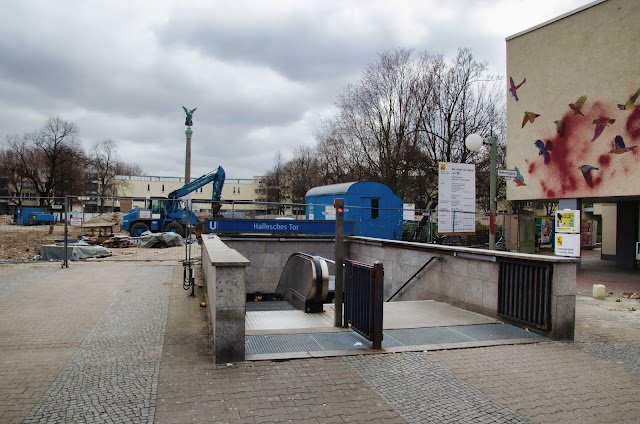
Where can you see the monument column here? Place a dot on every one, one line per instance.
(187, 162)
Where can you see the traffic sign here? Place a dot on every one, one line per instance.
(510, 173)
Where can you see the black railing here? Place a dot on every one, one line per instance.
(524, 293)
(431, 259)
(364, 288)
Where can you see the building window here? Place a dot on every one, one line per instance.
(163, 188)
(148, 187)
(238, 190)
(375, 203)
(234, 190)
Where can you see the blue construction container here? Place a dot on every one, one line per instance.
(33, 216)
(377, 212)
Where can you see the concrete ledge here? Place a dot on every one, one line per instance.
(225, 276)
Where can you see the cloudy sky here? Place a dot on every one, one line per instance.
(261, 73)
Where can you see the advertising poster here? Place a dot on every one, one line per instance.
(568, 221)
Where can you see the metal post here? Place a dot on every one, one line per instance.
(492, 193)
(378, 293)
(65, 264)
(339, 289)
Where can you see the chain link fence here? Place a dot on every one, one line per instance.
(29, 225)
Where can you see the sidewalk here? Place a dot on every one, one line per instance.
(123, 342)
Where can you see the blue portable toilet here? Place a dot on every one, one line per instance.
(377, 212)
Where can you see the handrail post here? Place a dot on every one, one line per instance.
(378, 293)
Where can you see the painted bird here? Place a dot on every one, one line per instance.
(560, 127)
(586, 173)
(519, 179)
(577, 106)
(529, 116)
(514, 87)
(620, 147)
(630, 103)
(600, 124)
(544, 149)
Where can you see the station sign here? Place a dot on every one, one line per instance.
(276, 226)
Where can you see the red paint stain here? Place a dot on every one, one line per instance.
(562, 176)
(633, 124)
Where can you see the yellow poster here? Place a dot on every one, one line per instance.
(568, 221)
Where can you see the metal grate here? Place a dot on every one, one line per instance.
(524, 293)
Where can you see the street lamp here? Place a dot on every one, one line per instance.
(474, 143)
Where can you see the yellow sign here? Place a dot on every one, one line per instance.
(442, 167)
(568, 221)
(559, 240)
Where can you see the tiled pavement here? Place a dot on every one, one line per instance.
(72, 343)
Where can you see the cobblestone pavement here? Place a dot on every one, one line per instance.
(14, 279)
(112, 377)
(193, 389)
(548, 382)
(123, 342)
(50, 311)
(423, 391)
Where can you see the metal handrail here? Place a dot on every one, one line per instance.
(413, 276)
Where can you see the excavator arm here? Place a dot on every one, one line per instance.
(216, 176)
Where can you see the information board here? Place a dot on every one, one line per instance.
(567, 244)
(456, 198)
(568, 221)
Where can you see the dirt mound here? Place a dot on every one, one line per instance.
(110, 218)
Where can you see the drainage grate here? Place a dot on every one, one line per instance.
(314, 342)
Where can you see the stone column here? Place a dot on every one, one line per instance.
(187, 162)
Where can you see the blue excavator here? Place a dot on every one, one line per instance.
(171, 214)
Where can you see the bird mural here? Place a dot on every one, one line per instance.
(544, 149)
(619, 146)
(518, 179)
(586, 173)
(560, 127)
(529, 116)
(600, 124)
(577, 106)
(514, 87)
(631, 103)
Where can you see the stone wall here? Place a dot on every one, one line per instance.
(463, 277)
(225, 275)
(268, 256)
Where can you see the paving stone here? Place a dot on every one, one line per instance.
(118, 362)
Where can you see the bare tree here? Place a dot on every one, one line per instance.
(303, 173)
(51, 159)
(275, 185)
(12, 182)
(379, 119)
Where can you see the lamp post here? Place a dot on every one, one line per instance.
(474, 143)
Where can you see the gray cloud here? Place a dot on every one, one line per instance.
(262, 74)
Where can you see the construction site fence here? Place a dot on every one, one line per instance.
(53, 218)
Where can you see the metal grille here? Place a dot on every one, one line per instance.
(524, 293)
(363, 299)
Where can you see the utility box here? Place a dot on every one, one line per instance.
(376, 210)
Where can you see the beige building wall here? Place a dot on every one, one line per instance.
(608, 212)
(141, 187)
(592, 52)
